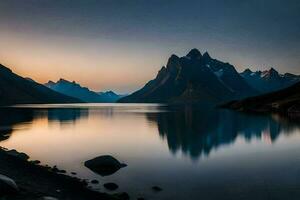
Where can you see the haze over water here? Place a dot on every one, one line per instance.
(192, 153)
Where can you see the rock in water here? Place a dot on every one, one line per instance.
(156, 189)
(104, 165)
(49, 198)
(7, 186)
(111, 186)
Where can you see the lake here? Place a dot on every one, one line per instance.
(190, 152)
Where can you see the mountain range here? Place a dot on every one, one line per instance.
(269, 80)
(196, 78)
(15, 89)
(75, 90)
(193, 78)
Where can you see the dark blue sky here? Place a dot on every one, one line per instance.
(121, 44)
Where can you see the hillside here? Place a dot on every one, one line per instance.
(15, 89)
(283, 101)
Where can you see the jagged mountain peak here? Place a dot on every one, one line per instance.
(74, 89)
(193, 78)
(50, 82)
(270, 73)
(270, 80)
(61, 80)
(273, 71)
(194, 54)
(173, 59)
(173, 64)
(109, 92)
(247, 71)
(206, 56)
(67, 82)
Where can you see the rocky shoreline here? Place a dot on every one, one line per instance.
(36, 182)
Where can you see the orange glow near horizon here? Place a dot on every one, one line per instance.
(103, 64)
(94, 64)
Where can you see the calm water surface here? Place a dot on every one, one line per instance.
(192, 153)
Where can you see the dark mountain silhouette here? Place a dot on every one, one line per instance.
(285, 101)
(193, 78)
(75, 90)
(15, 89)
(269, 80)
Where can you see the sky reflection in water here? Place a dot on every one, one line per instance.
(189, 152)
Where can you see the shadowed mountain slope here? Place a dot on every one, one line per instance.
(193, 78)
(15, 89)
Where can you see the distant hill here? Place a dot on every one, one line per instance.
(193, 78)
(283, 101)
(15, 89)
(74, 89)
(269, 80)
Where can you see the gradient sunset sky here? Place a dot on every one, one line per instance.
(120, 45)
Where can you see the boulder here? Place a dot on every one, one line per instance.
(111, 186)
(104, 165)
(7, 185)
(49, 198)
(156, 188)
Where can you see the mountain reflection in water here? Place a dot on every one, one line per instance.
(199, 150)
(195, 131)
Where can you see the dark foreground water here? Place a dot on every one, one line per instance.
(192, 153)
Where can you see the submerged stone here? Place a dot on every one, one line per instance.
(94, 181)
(104, 165)
(111, 186)
(156, 189)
